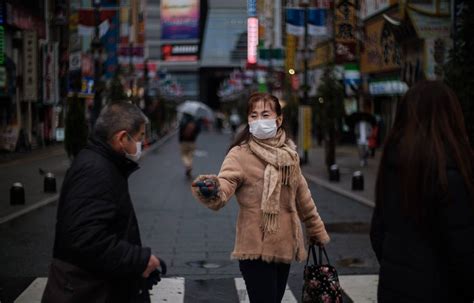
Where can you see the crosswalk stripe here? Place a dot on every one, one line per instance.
(168, 290)
(34, 292)
(288, 297)
(360, 288)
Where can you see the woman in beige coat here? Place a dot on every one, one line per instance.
(262, 170)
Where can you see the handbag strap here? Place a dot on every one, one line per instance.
(317, 259)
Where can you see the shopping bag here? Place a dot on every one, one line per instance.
(321, 282)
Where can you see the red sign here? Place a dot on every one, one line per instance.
(180, 52)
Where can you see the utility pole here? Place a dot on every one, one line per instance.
(96, 48)
(305, 5)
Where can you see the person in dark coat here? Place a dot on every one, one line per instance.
(98, 255)
(189, 129)
(422, 228)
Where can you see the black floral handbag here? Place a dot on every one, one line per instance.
(321, 283)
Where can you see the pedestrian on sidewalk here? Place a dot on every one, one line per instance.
(423, 223)
(362, 131)
(98, 255)
(189, 129)
(262, 170)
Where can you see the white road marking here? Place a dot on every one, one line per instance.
(34, 292)
(360, 288)
(168, 290)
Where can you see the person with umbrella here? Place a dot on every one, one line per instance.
(189, 129)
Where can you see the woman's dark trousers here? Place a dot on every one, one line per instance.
(265, 282)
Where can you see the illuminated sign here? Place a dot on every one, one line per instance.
(252, 40)
(180, 52)
(179, 19)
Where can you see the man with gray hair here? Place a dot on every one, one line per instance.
(98, 255)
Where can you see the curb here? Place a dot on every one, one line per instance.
(54, 198)
(338, 190)
(30, 208)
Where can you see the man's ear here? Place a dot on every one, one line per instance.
(120, 136)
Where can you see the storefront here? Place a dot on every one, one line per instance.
(381, 67)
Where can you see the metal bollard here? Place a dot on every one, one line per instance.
(49, 183)
(17, 194)
(357, 181)
(334, 173)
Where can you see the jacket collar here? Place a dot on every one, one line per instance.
(125, 165)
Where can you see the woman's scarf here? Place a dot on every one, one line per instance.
(282, 169)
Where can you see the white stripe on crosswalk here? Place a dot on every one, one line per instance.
(168, 290)
(360, 288)
(34, 292)
(288, 297)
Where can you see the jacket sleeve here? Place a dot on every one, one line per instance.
(229, 179)
(308, 213)
(377, 232)
(86, 224)
(456, 216)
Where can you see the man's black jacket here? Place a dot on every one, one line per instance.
(96, 226)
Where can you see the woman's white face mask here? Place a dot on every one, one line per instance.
(263, 128)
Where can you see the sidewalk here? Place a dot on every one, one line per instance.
(347, 157)
(24, 168)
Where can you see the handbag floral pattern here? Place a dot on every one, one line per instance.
(321, 282)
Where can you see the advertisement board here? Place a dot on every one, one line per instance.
(381, 52)
(179, 19)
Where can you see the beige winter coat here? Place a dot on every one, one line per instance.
(242, 173)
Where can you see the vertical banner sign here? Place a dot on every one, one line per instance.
(30, 71)
(295, 21)
(252, 39)
(318, 22)
(179, 19)
(49, 74)
(251, 8)
(344, 30)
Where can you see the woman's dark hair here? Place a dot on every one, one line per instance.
(244, 135)
(428, 131)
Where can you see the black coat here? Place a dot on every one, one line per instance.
(433, 264)
(96, 226)
(189, 135)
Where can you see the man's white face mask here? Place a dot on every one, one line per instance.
(134, 157)
(263, 128)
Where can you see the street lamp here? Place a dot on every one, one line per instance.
(305, 4)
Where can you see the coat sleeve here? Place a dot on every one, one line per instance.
(87, 220)
(377, 232)
(230, 177)
(308, 213)
(456, 217)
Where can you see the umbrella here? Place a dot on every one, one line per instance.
(196, 109)
(353, 118)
